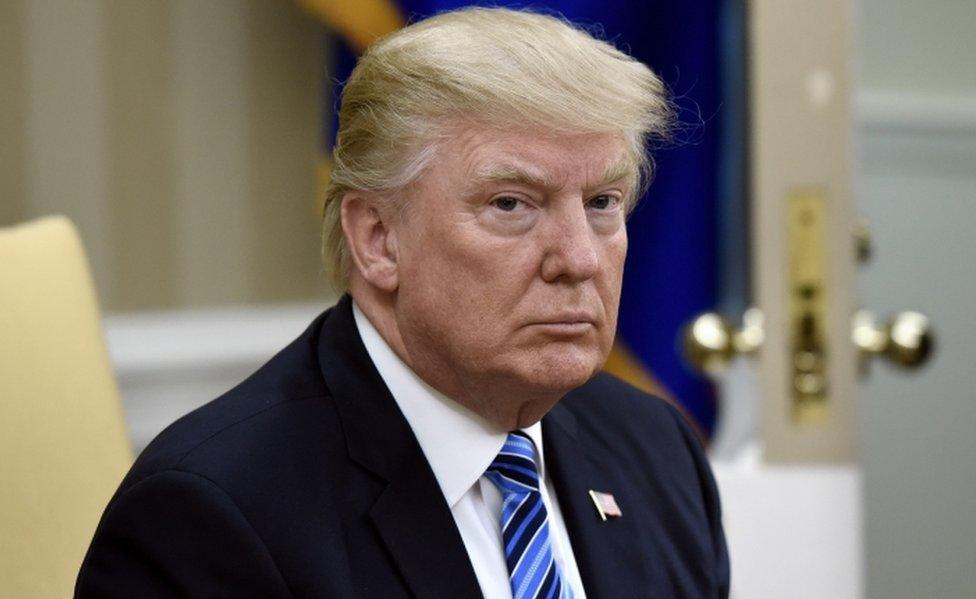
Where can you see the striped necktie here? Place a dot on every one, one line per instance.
(533, 572)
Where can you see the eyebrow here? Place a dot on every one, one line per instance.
(510, 173)
(617, 170)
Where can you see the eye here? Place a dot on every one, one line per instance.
(506, 203)
(604, 202)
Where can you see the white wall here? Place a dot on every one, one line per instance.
(168, 132)
(912, 46)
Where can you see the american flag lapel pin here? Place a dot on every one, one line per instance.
(605, 504)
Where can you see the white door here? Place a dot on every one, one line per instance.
(867, 480)
(916, 188)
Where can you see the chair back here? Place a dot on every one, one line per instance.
(63, 442)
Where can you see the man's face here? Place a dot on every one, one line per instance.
(510, 250)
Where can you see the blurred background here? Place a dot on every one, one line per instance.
(188, 140)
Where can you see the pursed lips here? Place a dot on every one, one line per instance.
(571, 323)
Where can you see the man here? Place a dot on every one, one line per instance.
(444, 431)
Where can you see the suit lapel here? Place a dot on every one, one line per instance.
(420, 533)
(604, 550)
(411, 516)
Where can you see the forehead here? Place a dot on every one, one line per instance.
(536, 156)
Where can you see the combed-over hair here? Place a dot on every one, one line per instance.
(492, 66)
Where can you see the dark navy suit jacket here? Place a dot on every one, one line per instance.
(306, 481)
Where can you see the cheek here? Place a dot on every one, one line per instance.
(614, 256)
(461, 286)
(478, 268)
(619, 245)
(612, 279)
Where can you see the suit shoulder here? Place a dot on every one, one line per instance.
(286, 392)
(608, 399)
(644, 430)
(224, 422)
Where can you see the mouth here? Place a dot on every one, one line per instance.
(570, 325)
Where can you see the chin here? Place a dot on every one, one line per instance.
(564, 373)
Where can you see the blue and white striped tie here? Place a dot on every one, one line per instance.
(533, 572)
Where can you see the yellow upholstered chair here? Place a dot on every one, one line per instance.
(63, 443)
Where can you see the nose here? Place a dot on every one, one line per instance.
(572, 247)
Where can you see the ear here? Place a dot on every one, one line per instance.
(371, 240)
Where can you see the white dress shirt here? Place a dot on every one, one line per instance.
(460, 445)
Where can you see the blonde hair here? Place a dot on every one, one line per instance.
(491, 66)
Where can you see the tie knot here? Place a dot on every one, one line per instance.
(514, 469)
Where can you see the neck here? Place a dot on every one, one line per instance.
(489, 399)
(380, 309)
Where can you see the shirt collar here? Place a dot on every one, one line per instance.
(459, 444)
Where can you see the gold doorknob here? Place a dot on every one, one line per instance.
(710, 341)
(906, 340)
